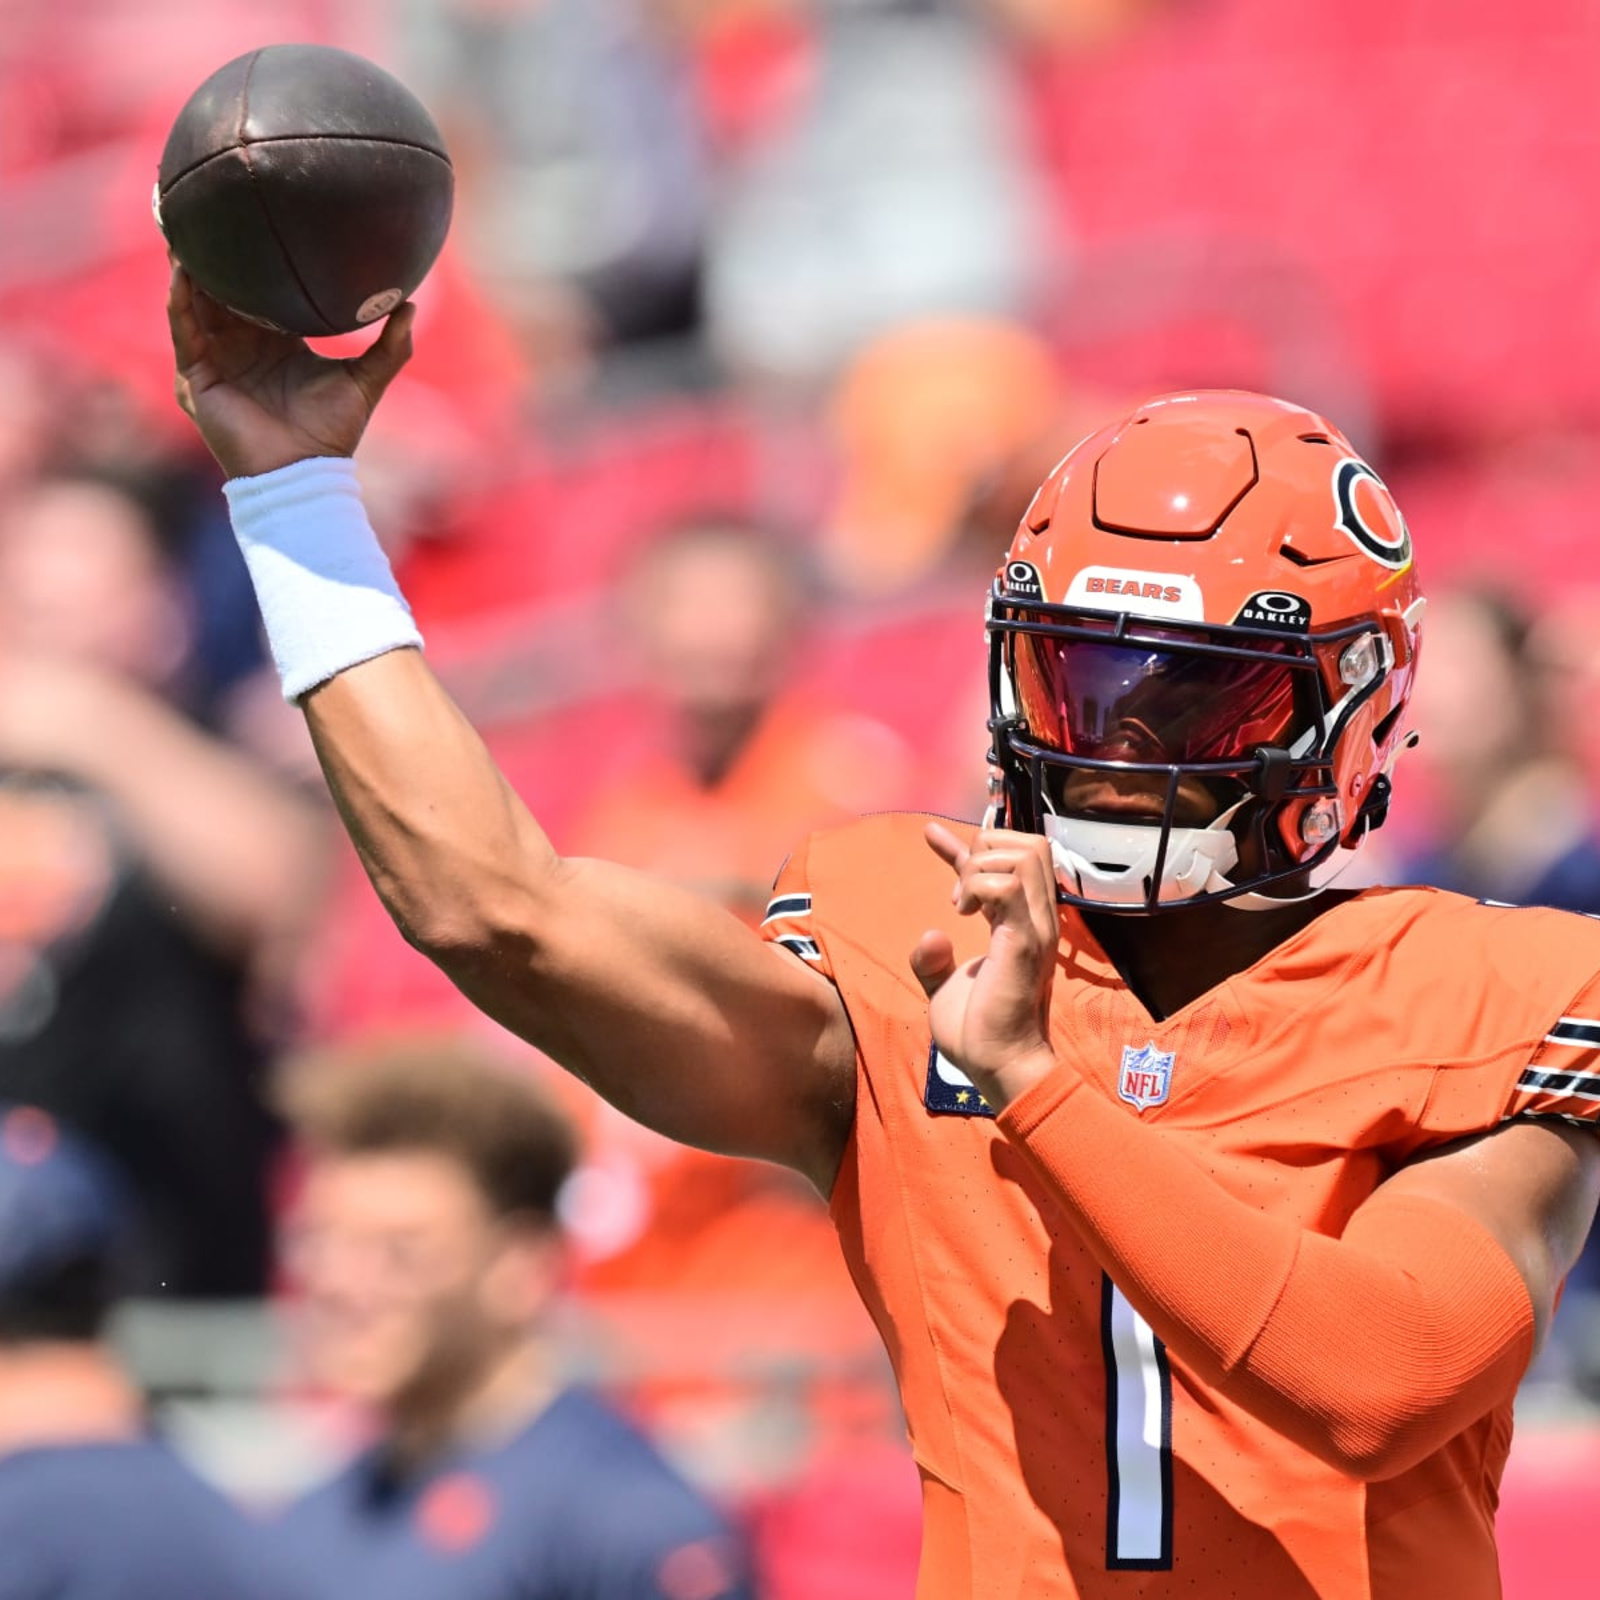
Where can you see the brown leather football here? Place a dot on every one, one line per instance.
(305, 187)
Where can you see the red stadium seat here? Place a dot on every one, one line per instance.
(1421, 160)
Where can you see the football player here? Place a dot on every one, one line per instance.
(1210, 1214)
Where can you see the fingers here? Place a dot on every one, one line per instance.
(1006, 899)
(377, 366)
(201, 327)
(215, 320)
(949, 846)
(189, 346)
(1007, 876)
(188, 338)
(945, 844)
(933, 960)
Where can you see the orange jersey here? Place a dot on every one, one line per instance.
(1064, 1451)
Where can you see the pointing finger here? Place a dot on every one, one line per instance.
(945, 844)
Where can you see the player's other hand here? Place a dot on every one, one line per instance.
(261, 399)
(990, 1016)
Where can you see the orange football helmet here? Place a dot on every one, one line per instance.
(1214, 594)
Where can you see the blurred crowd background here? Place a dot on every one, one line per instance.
(759, 322)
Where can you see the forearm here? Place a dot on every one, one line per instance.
(447, 844)
(1370, 1350)
(667, 1005)
(662, 1002)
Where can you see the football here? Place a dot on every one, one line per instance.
(306, 188)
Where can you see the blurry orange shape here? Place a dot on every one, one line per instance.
(806, 765)
(1072, 24)
(920, 419)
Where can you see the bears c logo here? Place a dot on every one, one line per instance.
(1368, 515)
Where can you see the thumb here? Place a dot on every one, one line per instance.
(377, 366)
(933, 960)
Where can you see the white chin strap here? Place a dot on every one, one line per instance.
(1113, 862)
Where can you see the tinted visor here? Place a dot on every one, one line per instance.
(1153, 700)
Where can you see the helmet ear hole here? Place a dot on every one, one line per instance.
(1385, 726)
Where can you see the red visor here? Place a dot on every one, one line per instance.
(1157, 701)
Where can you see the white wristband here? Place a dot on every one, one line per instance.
(327, 596)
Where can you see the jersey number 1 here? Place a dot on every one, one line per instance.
(1138, 1439)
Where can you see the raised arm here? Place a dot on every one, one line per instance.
(666, 1004)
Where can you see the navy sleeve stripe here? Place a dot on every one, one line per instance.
(805, 948)
(787, 905)
(1574, 1085)
(1575, 1031)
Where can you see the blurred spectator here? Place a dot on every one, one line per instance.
(152, 884)
(28, 421)
(91, 1506)
(733, 759)
(924, 418)
(429, 1261)
(737, 751)
(583, 185)
(872, 196)
(1567, 641)
(1511, 815)
(943, 429)
(629, 166)
(734, 752)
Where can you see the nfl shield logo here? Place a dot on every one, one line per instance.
(1146, 1077)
